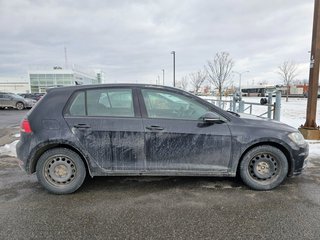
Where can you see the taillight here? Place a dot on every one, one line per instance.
(25, 126)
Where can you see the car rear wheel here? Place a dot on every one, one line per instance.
(20, 106)
(264, 167)
(61, 171)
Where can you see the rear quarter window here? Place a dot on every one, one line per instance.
(77, 107)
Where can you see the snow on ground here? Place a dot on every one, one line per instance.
(293, 112)
(9, 149)
(314, 149)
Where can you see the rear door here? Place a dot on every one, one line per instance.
(176, 140)
(108, 125)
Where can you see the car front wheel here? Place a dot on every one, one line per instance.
(61, 171)
(264, 167)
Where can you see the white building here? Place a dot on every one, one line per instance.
(41, 80)
(14, 87)
(14, 84)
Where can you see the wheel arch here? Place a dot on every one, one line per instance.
(280, 146)
(41, 150)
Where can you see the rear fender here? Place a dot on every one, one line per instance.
(39, 149)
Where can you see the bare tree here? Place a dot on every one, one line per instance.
(288, 72)
(178, 84)
(184, 82)
(197, 79)
(219, 70)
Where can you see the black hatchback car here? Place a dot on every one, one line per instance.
(132, 129)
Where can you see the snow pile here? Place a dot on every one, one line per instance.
(9, 149)
(314, 149)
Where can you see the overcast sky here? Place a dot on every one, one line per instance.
(131, 41)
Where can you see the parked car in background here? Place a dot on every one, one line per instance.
(34, 96)
(132, 129)
(15, 101)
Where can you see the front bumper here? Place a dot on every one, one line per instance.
(29, 104)
(300, 160)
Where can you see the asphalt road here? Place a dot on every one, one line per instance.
(158, 208)
(11, 117)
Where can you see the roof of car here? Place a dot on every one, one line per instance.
(76, 87)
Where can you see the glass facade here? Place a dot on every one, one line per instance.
(40, 82)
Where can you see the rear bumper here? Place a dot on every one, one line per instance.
(23, 152)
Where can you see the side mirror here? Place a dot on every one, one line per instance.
(211, 118)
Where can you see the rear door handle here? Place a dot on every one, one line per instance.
(158, 128)
(81, 125)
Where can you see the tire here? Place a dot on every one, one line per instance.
(263, 168)
(60, 171)
(19, 105)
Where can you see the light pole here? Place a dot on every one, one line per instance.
(163, 77)
(174, 67)
(158, 80)
(240, 75)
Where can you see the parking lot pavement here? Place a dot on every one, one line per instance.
(11, 117)
(157, 207)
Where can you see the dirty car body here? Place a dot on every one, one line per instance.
(132, 129)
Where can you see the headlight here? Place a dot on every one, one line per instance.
(297, 138)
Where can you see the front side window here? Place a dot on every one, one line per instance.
(163, 104)
(103, 102)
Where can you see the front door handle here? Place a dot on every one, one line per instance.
(157, 128)
(81, 125)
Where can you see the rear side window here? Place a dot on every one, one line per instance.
(103, 102)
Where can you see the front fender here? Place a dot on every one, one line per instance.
(241, 145)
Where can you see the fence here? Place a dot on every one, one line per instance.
(235, 105)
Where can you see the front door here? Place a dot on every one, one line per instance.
(108, 125)
(175, 138)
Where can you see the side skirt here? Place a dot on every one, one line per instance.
(164, 173)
